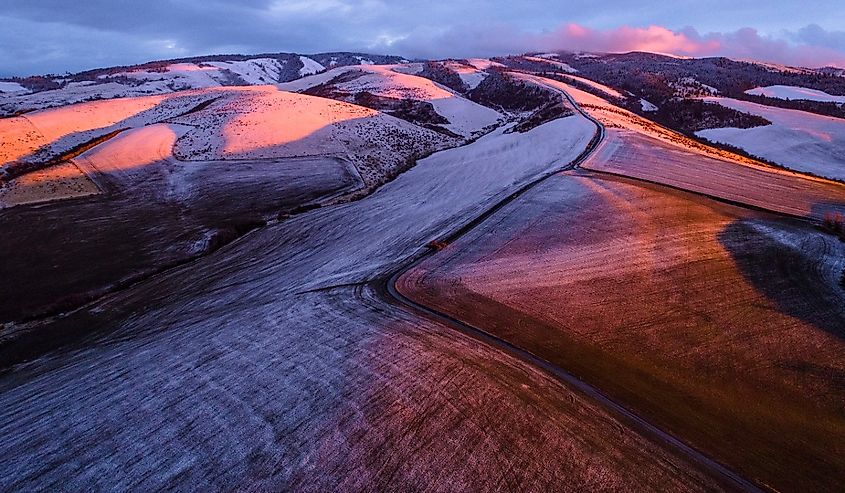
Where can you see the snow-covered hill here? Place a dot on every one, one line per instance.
(796, 139)
(793, 92)
(398, 83)
(34, 93)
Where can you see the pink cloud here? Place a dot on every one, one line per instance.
(746, 43)
(655, 39)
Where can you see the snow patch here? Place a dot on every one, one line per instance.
(309, 66)
(12, 87)
(470, 75)
(483, 63)
(647, 106)
(795, 92)
(256, 71)
(465, 116)
(563, 66)
(796, 139)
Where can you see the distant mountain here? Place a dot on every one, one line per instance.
(165, 76)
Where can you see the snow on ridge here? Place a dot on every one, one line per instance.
(254, 71)
(795, 92)
(12, 87)
(393, 81)
(563, 66)
(774, 67)
(687, 87)
(483, 63)
(596, 85)
(647, 106)
(469, 74)
(309, 66)
(796, 139)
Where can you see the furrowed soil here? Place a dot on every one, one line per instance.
(721, 324)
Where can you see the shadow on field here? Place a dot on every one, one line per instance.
(795, 266)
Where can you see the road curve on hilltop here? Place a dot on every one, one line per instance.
(387, 287)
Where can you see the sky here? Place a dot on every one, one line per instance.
(58, 36)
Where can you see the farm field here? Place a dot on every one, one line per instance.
(796, 139)
(308, 361)
(677, 281)
(720, 323)
(138, 208)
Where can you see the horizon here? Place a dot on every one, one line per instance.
(410, 59)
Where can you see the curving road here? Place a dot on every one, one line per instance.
(631, 418)
(272, 365)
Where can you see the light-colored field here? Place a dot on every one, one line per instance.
(259, 122)
(796, 139)
(42, 137)
(483, 63)
(720, 324)
(465, 117)
(554, 63)
(641, 156)
(62, 128)
(263, 122)
(638, 148)
(62, 181)
(234, 372)
(793, 92)
(596, 85)
(12, 87)
(470, 74)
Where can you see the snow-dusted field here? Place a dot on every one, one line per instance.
(64, 180)
(548, 59)
(483, 63)
(598, 86)
(236, 335)
(793, 92)
(263, 122)
(12, 87)
(639, 148)
(662, 298)
(163, 79)
(256, 122)
(796, 139)
(155, 211)
(309, 66)
(470, 74)
(234, 372)
(465, 117)
(647, 106)
(137, 83)
(40, 136)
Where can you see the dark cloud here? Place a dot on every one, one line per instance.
(38, 36)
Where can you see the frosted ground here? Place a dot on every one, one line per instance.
(270, 376)
(796, 139)
(793, 92)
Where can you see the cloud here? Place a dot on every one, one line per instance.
(810, 46)
(40, 36)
